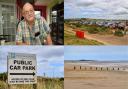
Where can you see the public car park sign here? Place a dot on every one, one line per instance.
(22, 68)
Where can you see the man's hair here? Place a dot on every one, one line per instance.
(23, 3)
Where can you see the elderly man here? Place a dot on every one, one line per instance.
(32, 30)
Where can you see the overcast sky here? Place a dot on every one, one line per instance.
(105, 9)
(103, 53)
(50, 59)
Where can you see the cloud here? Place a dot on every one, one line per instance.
(106, 9)
(85, 3)
(121, 11)
(56, 52)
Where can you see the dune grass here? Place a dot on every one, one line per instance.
(42, 83)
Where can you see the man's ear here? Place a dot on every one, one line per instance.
(23, 13)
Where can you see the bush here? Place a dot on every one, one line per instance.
(99, 30)
(78, 25)
(93, 30)
(3, 76)
(104, 30)
(118, 33)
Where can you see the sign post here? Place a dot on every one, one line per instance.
(22, 68)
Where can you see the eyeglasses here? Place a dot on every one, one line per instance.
(27, 12)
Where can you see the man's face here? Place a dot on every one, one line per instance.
(28, 12)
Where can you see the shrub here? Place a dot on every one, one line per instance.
(93, 30)
(78, 25)
(3, 76)
(118, 33)
(104, 30)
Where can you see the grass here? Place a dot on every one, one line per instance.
(3, 85)
(42, 83)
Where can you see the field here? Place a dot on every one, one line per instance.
(93, 36)
(94, 79)
(42, 83)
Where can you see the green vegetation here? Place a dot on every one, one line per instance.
(42, 83)
(93, 29)
(97, 29)
(3, 76)
(3, 85)
(119, 33)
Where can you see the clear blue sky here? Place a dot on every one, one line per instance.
(105, 9)
(50, 59)
(103, 53)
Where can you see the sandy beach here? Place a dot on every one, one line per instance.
(93, 79)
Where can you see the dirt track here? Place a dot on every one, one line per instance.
(108, 39)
